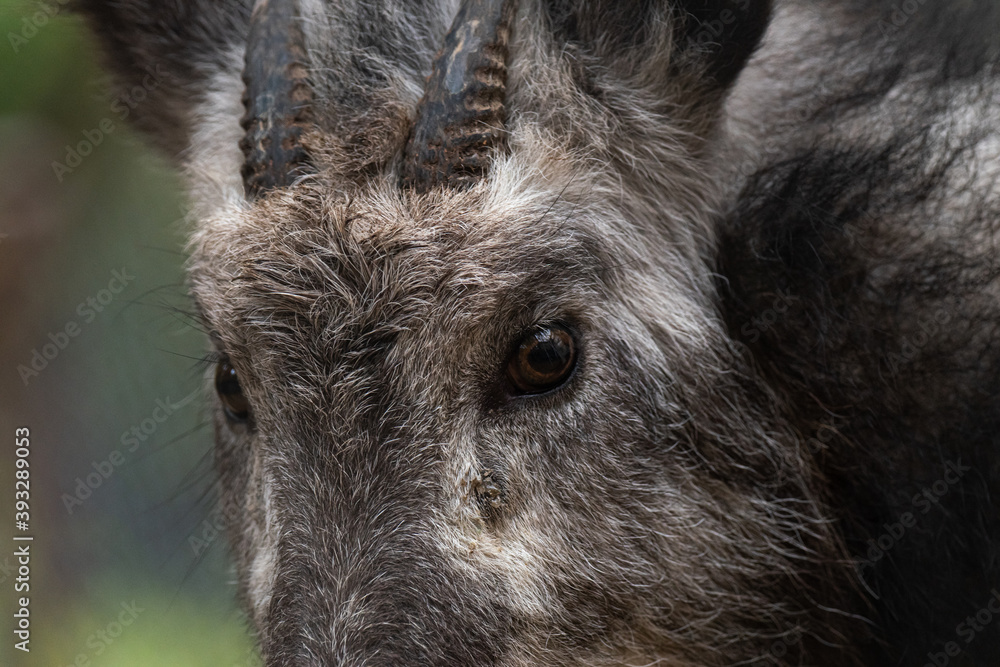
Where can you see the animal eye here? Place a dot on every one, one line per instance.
(227, 385)
(544, 360)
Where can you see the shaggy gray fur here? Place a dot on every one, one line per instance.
(780, 271)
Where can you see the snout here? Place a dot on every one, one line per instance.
(340, 600)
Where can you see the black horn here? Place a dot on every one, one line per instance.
(460, 119)
(277, 98)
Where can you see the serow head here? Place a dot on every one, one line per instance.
(475, 404)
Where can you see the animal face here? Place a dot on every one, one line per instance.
(501, 423)
(404, 493)
(479, 399)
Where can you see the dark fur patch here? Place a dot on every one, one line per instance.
(177, 43)
(878, 338)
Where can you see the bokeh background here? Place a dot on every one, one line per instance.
(123, 520)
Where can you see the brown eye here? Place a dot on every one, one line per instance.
(544, 360)
(227, 385)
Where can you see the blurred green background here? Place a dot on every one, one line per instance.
(131, 528)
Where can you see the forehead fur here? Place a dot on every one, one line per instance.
(374, 257)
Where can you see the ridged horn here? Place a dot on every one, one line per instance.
(277, 98)
(460, 119)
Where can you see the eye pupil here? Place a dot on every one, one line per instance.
(547, 354)
(544, 360)
(227, 386)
